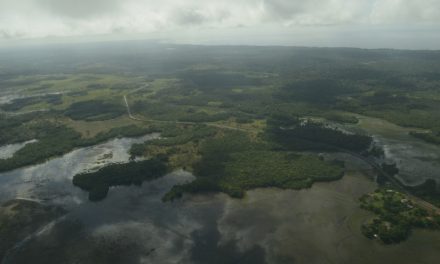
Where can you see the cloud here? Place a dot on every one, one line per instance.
(190, 17)
(42, 18)
(406, 11)
(315, 12)
(80, 8)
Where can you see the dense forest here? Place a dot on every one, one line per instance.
(234, 163)
(307, 135)
(132, 173)
(396, 216)
(94, 110)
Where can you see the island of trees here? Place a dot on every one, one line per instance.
(133, 173)
(396, 216)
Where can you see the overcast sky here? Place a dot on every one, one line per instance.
(358, 23)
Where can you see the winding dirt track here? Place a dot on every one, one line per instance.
(131, 116)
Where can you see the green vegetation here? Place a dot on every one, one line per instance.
(433, 138)
(179, 142)
(233, 164)
(254, 169)
(188, 84)
(19, 128)
(94, 110)
(212, 79)
(396, 216)
(179, 136)
(98, 183)
(55, 139)
(317, 91)
(341, 118)
(20, 103)
(178, 112)
(307, 135)
(117, 132)
(268, 92)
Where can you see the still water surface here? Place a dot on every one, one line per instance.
(133, 225)
(416, 159)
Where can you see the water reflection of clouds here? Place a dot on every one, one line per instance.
(133, 222)
(417, 161)
(7, 151)
(135, 226)
(160, 230)
(152, 244)
(52, 180)
(289, 225)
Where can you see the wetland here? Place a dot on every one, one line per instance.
(197, 154)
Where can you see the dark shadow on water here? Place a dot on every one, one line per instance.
(68, 243)
(207, 250)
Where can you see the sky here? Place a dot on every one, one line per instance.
(407, 24)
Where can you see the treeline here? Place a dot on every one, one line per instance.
(384, 98)
(216, 79)
(427, 137)
(396, 107)
(117, 132)
(233, 164)
(316, 91)
(56, 139)
(95, 110)
(173, 135)
(341, 118)
(175, 112)
(132, 173)
(19, 103)
(59, 140)
(204, 117)
(306, 135)
(18, 128)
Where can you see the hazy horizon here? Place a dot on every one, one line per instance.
(395, 24)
